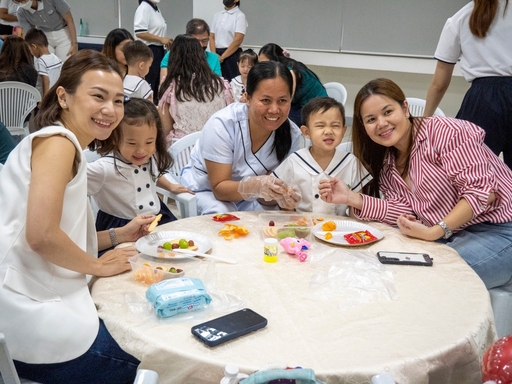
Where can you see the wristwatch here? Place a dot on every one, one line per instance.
(447, 231)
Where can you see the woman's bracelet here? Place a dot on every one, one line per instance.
(113, 237)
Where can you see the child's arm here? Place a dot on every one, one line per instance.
(164, 183)
(337, 192)
(46, 84)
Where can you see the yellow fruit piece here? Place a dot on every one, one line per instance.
(329, 226)
(154, 223)
(320, 219)
(328, 236)
(231, 231)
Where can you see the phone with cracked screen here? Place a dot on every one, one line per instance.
(228, 327)
(405, 258)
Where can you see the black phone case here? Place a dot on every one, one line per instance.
(228, 327)
(396, 260)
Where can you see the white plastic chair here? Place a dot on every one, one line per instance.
(7, 368)
(337, 91)
(417, 106)
(501, 301)
(180, 152)
(17, 100)
(346, 146)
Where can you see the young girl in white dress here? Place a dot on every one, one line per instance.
(246, 61)
(123, 181)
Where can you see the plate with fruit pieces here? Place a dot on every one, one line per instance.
(346, 233)
(160, 244)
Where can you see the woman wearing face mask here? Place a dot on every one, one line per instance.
(54, 18)
(151, 28)
(227, 35)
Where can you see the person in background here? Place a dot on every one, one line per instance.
(479, 35)
(242, 143)
(228, 32)
(54, 18)
(199, 29)
(16, 62)
(8, 18)
(7, 143)
(307, 85)
(48, 244)
(246, 61)
(151, 28)
(113, 47)
(439, 180)
(191, 92)
(47, 64)
(324, 125)
(138, 58)
(134, 158)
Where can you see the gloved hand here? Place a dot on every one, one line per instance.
(290, 199)
(266, 187)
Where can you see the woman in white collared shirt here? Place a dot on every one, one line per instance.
(54, 18)
(227, 35)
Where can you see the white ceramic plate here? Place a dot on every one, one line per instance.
(344, 227)
(149, 244)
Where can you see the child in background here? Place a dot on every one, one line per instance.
(138, 59)
(246, 61)
(134, 158)
(324, 125)
(47, 64)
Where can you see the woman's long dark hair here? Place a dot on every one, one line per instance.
(365, 149)
(275, 53)
(15, 52)
(484, 12)
(272, 70)
(190, 71)
(113, 39)
(139, 112)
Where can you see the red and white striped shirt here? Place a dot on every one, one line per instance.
(449, 161)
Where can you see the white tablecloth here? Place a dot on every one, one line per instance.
(435, 329)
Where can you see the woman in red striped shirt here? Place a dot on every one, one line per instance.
(439, 181)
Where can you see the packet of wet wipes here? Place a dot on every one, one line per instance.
(179, 295)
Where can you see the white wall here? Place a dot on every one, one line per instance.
(205, 9)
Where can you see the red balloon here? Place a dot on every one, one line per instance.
(497, 361)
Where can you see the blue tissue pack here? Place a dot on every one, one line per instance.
(179, 295)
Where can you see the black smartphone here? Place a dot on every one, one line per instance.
(222, 329)
(405, 258)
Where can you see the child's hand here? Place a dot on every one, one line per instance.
(178, 188)
(135, 229)
(333, 191)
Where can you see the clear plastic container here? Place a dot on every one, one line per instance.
(281, 225)
(149, 270)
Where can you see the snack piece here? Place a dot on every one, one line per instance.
(270, 231)
(221, 217)
(328, 236)
(165, 249)
(359, 237)
(231, 231)
(149, 274)
(154, 223)
(329, 226)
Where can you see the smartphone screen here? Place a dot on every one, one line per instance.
(405, 258)
(228, 327)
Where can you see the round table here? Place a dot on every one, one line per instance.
(434, 328)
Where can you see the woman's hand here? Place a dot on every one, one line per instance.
(334, 191)
(166, 41)
(115, 261)
(266, 187)
(412, 227)
(135, 229)
(291, 199)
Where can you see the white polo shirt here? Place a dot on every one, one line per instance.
(11, 10)
(149, 19)
(479, 57)
(225, 24)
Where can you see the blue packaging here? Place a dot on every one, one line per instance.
(179, 295)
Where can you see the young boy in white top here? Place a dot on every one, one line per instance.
(324, 125)
(138, 59)
(47, 64)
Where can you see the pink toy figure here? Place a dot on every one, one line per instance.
(294, 246)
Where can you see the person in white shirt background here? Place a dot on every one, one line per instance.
(227, 35)
(8, 18)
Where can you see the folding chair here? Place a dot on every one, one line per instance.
(17, 100)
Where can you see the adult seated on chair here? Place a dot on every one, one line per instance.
(16, 62)
(440, 181)
(48, 244)
(7, 143)
(242, 143)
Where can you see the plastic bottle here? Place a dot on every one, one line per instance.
(81, 28)
(231, 375)
(270, 250)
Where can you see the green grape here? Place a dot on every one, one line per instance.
(183, 244)
(167, 245)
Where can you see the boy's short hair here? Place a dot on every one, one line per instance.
(37, 37)
(136, 51)
(321, 104)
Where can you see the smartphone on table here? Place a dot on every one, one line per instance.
(228, 327)
(405, 258)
